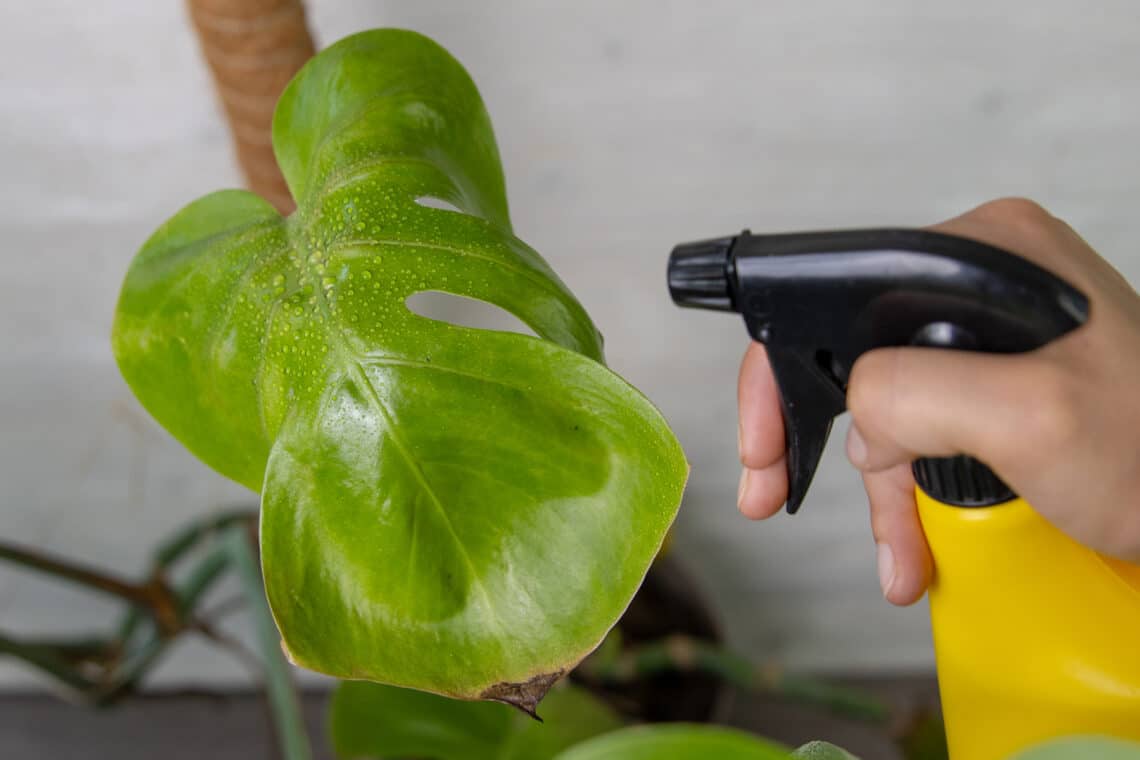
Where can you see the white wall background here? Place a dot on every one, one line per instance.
(624, 127)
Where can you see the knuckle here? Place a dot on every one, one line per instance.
(1021, 213)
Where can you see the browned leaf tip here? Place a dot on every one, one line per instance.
(525, 695)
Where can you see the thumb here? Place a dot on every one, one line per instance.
(908, 403)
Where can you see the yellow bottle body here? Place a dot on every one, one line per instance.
(1035, 636)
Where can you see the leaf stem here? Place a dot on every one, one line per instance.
(97, 670)
(174, 548)
(46, 659)
(72, 571)
(283, 700)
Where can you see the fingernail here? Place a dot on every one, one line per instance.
(856, 446)
(742, 487)
(886, 567)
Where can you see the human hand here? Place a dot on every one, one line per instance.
(1061, 425)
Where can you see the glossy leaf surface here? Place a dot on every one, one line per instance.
(368, 720)
(457, 510)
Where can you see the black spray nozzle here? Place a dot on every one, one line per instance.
(699, 274)
(819, 300)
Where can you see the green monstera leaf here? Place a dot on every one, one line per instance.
(456, 510)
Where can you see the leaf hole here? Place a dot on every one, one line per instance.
(430, 201)
(465, 312)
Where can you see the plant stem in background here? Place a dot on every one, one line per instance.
(153, 595)
(253, 49)
(43, 562)
(100, 670)
(48, 659)
(283, 701)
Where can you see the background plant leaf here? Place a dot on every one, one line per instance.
(368, 720)
(457, 510)
(676, 741)
(822, 751)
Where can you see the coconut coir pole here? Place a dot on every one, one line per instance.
(253, 49)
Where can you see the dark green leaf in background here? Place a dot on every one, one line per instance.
(822, 751)
(676, 741)
(368, 720)
(1083, 748)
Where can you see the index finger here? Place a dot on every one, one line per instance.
(761, 421)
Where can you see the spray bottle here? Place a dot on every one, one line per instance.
(1035, 635)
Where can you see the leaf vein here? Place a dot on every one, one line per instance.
(421, 479)
(341, 178)
(356, 364)
(180, 283)
(536, 278)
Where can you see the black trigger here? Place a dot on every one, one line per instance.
(811, 398)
